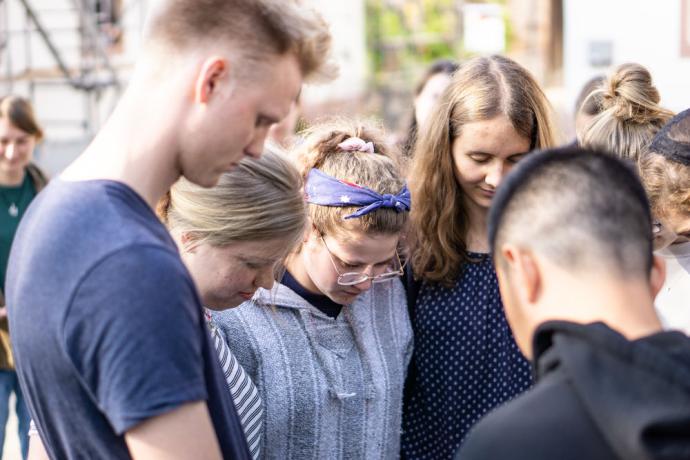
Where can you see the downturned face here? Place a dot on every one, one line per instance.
(483, 155)
(325, 259)
(229, 275)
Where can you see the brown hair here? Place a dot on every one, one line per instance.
(20, 113)
(668, 185)
(482, 89)
(380, 171)
(630, 115)
(590, 106)
(260, 28)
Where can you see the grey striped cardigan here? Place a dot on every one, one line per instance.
(332, 388)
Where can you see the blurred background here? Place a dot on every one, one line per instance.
(73, 58)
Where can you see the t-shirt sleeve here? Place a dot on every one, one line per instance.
(134, 334)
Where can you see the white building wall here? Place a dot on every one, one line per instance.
(347, 23)
(643, 31)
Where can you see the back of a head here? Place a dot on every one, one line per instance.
(587, 103)
(444, 66)
(258, 29)
(556, 204)
(665, 169)
(20, 113)
(380, 171)
(260, 200)
(630, 115)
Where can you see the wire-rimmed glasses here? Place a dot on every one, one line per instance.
(352, 278)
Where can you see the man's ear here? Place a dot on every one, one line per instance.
(523, 271)
(657, 275)
(213, 70)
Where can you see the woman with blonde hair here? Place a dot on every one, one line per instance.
(630, 114)
(466, 361)
(20, 182)
(233, 238)
(329, 346)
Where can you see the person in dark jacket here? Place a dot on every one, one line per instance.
(573, 253)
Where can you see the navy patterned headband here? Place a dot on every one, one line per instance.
(325, 190)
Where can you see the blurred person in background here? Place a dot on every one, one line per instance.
(466, 361)
(20, 182)
(665, 171)
(427, 92)
(284, 132)
(587, 107)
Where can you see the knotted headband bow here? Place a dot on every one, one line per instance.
(325, 190)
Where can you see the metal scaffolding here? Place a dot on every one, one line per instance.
(81, 37)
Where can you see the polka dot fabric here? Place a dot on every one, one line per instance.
(465, 360)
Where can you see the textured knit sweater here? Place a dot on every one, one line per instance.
(332, 388)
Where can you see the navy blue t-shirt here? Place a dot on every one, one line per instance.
(107, 326)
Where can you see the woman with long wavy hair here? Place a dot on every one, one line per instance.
(465, 361)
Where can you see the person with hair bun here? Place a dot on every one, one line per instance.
(328, 347)
(630, 114)
(20, 182)
(466, 361)
(665, 171)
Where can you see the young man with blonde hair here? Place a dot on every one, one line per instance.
(109, 337)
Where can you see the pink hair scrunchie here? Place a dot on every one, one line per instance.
(355, 144)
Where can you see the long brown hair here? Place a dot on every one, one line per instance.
(482, 89)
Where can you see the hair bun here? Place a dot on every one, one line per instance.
(630, 94)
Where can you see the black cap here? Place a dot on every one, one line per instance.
(673, 140)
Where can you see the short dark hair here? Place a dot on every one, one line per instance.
(580, 209)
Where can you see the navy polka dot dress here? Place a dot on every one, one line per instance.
(465, 362)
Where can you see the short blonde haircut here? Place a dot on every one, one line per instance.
(380, 171)
(630, 113)
(260, 200)
(260, 29)
(483, 88)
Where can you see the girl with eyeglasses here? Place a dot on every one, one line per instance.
(328, 346)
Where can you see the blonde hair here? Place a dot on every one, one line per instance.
(260, 200)
(482, 89)
(20, 113)
(261, 29)
(667, 183)
(630, 115)
(380, 171)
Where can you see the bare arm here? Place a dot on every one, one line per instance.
(183, 433)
